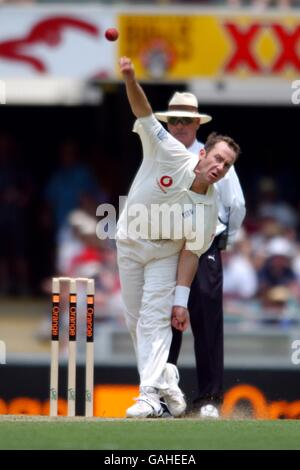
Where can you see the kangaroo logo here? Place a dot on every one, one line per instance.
(49, 32)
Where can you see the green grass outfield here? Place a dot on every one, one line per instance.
(26, 432)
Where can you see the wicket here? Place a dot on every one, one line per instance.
(89, 361)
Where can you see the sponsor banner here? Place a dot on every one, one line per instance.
(261, 394)
(174, 44)
(188, 46)
(62, 41)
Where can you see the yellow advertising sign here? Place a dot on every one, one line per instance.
(179, 47)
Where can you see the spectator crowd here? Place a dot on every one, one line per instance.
(261, 271)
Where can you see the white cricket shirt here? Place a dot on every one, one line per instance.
(164, 177)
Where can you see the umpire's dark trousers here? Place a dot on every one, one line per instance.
(206, 316)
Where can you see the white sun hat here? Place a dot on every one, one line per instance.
(183, 105)
(280, 246)
(84, 222)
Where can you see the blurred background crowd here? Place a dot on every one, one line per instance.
(50, 229)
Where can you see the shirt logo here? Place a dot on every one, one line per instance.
(166, 181)
(162, 134)
(187, 213)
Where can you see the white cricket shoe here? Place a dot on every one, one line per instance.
(147, 405)
(209, 411)
(173, 396)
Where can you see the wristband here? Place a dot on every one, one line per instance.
(181, 296)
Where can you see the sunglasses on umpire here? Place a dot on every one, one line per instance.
(185, 121)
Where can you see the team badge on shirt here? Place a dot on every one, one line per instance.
(165, 182)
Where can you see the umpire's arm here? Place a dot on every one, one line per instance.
(138, 101)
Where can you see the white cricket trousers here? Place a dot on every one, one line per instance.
(148, 277)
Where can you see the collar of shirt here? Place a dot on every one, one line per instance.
(208, 198)
(196, 147)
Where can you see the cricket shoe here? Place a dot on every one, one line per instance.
(147, 404)
(209, 411)
(173, 396)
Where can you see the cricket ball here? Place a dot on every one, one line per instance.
(111, 34)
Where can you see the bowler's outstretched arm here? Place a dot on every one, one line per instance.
(138, 101)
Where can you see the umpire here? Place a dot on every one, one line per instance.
(206, 297)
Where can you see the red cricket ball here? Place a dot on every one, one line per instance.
(111, 34)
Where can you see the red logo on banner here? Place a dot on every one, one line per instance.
(244, 54)
(289, 44)
(242, 42)
(158, 57)
(49, 31)
(166, 181)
